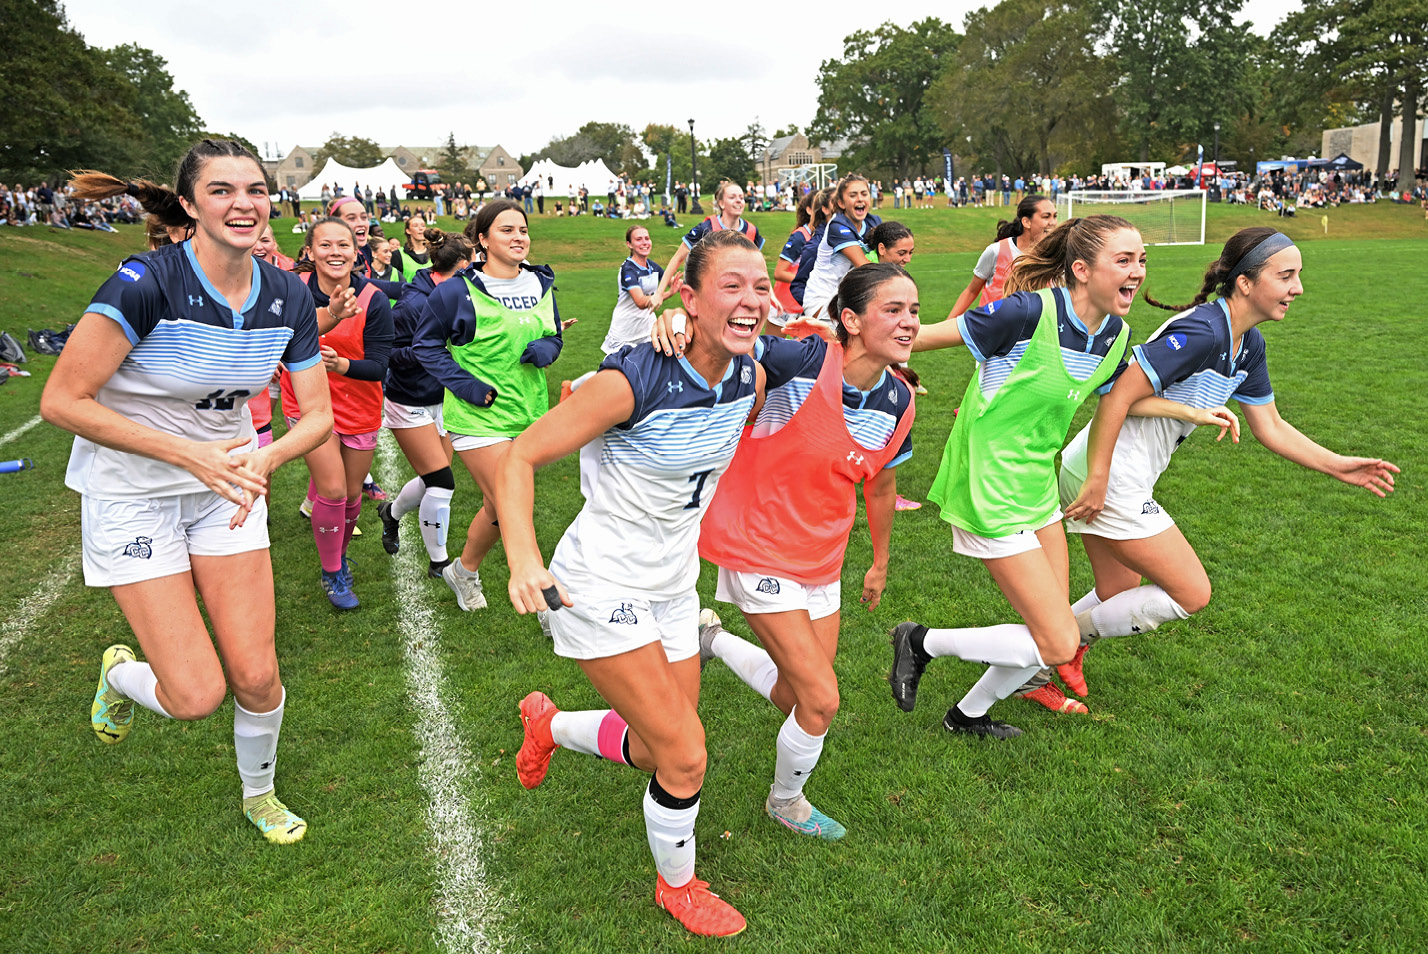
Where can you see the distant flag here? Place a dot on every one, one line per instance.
(668, 171)
(947, 161)
(1199, 165)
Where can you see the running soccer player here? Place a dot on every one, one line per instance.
(787, 266)
(834, 416)
(1038, 360)
(488, 339)
(1035, 216)
(639, 281)
(1209, 353)
(729, 210)
(411, 410)
(655, 433)
(168, 466)
(844, 243)
(356, 326)
(412, 256)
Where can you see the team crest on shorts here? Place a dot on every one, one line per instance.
(139, 549)
(624, 615)
(768, 585)
(1150, 506)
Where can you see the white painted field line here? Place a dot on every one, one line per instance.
(13, 435)
(32, 607)
(465, 903)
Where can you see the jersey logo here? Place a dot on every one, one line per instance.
(195, 301)
(132, 271)
(525, 319)
(768, 585)
(1224, 355)
(1073, 395)
(855, 458)
(276, 307)
(675, 386)
(892, 395)
(624, 615)
(1176, 342)
(746, 375)
(139, 549)
(1150, 506)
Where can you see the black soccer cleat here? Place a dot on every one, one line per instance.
(391, 527)
(434, 567)
(982, 725)
(907, 665)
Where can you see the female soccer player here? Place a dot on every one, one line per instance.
(412, 257)
(488, 339)
(639, 282)
(1035, 216)
(356, 344)
(655, 433)
(1040, 354)
(168, 468)
(844, 243)
(729, 210)
(787, 266)
(411, 410)
(1211, 352)
(267, 250)
(834, 416)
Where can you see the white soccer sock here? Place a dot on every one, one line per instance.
(996, 684)
(798, 753)
(669, 825)
(1006, 644)
(408, 497)
(435, 514)
(1086, 603)
(578, 731)
(255, 739)
(1140, 610)
(136, 680)
(749, 662)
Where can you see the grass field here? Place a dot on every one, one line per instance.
(1251, 779)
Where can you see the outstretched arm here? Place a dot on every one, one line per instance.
(941, 334)
(675, 264)
(968, 296)
(1274, 432)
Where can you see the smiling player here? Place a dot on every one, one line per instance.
(844, 243)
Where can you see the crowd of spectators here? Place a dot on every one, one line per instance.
(57, 208)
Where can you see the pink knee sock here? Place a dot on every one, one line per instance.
(354, 510)
(327, 529)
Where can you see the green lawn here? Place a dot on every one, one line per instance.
(1250, 779)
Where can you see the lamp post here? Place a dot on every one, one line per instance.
(696, 208)
(1217, 150)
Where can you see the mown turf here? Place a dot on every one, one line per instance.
(1251, 779)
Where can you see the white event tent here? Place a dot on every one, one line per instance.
(387, 176)
(593, 174)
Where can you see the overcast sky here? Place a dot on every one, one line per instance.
(507, 73)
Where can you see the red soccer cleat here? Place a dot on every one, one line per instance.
(533, 760)
(700, 910)
(1071, 673)
(1051, 696)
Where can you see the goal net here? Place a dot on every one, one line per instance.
(1166, 217)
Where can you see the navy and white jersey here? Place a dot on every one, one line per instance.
(1191, 359)
(791, 369)
(629, 323)
(806, 260)
(714, 224)
(997, 336)
(648, 480)
(408, 381)
(195, 362)
(793, 248)
(830, 264)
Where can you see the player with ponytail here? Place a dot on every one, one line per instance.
(1035, 216)
(728, 214)
(153, 382)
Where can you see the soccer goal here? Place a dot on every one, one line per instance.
(1165, 217)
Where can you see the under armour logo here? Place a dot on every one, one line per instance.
(195, 301)
(1073, 395)
(276, 307)
(328, 529)
(1223, 355)
(427, 523)
(525, 319)
(265, 766)
(855, 457)
(675, 386)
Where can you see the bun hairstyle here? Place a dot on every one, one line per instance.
(702, 255)
(888, 234)
(305, 263)
(161, 202)
(857, 290)
(481, 224)
(1049, 261)
(1218, 275)
(1025, 209)
(822, 199)
(447, 249)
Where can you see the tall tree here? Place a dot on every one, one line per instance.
(452, 166)
(350, 151)
(663, 139)
(167, 121)
(728, 159)
(874, 95)
(1027, 86)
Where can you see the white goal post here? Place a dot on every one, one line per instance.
(1164, 217)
